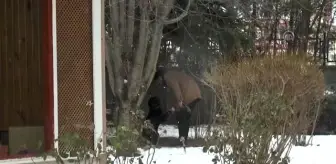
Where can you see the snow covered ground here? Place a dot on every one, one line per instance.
(321, 152)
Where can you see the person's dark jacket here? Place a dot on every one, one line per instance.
(157, 117)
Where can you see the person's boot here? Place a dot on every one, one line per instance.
(184, 136)
(183, 140)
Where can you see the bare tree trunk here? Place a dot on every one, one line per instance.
(254, 30)
(306, 14)
(316, 44)
(318, 17)
(297, 34)
(275, 30)
(124, 117)
(133, 49)
(291, 27)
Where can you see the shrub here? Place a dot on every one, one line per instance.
(265, 102)
(126, 140)
(123, 142)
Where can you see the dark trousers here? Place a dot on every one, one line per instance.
(183, 119)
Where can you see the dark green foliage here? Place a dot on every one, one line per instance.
(125, 142)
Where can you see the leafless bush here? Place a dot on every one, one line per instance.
(265, 103)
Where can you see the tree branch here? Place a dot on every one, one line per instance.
(109, 67)
(139, 57)
(318, 14)
(122, 19)
(153, 56)
(113, 58)
(130, 23)
(154, 51)
(179, 18)
(114, 17)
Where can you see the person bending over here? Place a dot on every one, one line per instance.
(187, 95)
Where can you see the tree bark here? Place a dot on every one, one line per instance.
(306, 14)
(133, 49)
(290, 48)
(124, 117)
(254, 30)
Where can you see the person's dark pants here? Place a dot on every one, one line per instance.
(183, 119)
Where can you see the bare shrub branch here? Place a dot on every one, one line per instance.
(266, 102)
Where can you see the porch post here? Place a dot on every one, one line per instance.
(55, 84)
(99, 104)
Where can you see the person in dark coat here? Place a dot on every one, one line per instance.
(187, 95)
(156, 117)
